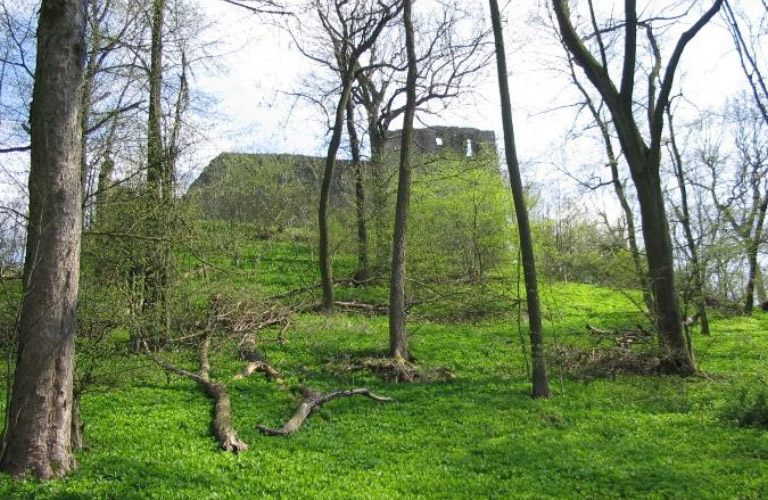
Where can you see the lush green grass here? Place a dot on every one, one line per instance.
(478, 436)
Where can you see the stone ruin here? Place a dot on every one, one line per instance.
(462, 141)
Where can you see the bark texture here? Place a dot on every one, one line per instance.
(398, 337)
(38, 432)
(539, 375)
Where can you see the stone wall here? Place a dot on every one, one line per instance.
(462, 141)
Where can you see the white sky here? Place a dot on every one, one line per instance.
(261, 66)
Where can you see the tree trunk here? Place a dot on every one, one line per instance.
(103, 188)
(539, 376)
(155, 172)
(749, 297)
(326, 273)
(38, 431)
(644, 160)
(398, 338)
(658, 248)
(156, 271)
(363, 271)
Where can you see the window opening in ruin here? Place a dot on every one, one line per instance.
(469, 148)
(439, 141)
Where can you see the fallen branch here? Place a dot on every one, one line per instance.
(256, 361)
(222, 413)
(312, 402)
(623, 338)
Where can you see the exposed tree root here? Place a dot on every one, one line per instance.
(222, 413)
(394, 370)
(312, 401)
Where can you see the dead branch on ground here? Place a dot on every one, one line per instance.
(222, 413)
(313, 401)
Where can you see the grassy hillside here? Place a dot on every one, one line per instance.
(476, 434)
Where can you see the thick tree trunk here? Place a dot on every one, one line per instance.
(156, 275)
(644, 160)
(155, 155)
(658, 248)
(398, 338)
(38, 432)
(539, 376)
(363, 271)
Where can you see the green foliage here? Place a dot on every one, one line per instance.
(574, 248)
(460, 218)
(749, 408)
(477, 436)
(272, 192)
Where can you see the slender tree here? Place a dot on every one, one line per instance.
(37, 439)
(351, 28)
(363, 270)
(398, 338)
(643, 159)
(539, 375)
(684, 216)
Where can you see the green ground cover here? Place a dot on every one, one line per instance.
(478, 435)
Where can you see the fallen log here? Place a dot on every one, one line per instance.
(222, 412)
(311, 403)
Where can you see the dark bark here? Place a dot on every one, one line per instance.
(155, 169)
(398, 337)
(644, 162)
(363, 270)
(38, 433)
(326, 273)
(539, 380)
(105, 183)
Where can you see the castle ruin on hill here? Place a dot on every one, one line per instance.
(463, 141)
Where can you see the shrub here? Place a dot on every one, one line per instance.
(749, 408)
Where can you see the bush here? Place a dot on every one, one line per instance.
(749, 408)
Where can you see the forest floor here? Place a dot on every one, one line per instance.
(475, 433)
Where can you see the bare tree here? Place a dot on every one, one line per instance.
(349, 28)
(683, 212)
(38, 434)
(452, 54)
(643, 157)
(398, 338)
(539, 375)
(740, 193)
